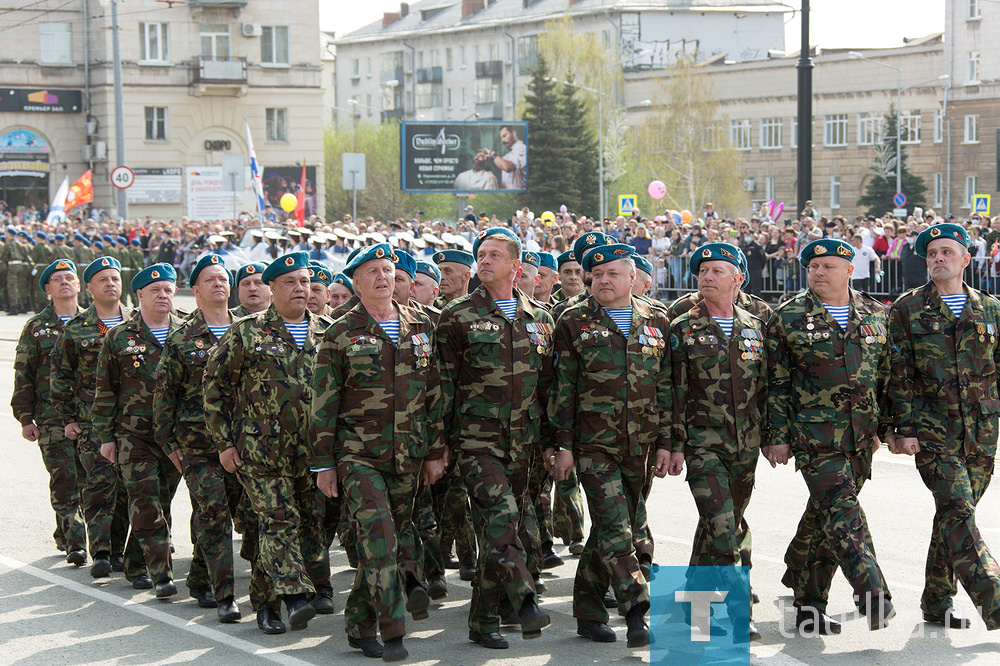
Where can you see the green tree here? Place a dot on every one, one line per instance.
(583, 151)
(881, 187)
(551, 179)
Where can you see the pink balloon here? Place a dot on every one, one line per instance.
(779, 210)
(657, 189)
(770, 207)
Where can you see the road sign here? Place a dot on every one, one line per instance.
(981, 204)
(899, 213)
(353, 171)
(122, 177)
(626, 204)
(899, 199)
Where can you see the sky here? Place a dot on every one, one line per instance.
(835, 23)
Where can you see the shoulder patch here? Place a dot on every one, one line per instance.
(674, 341)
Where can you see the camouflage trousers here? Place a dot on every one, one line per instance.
(429, 558)
(151, 482)
(17, 296)
(244, 519)
(540, 492)
(451, 506)
(105, 508)
(567, 509)
(721, 485)
(833, 532)
(291, 558)
(496, 489)
(37, 298)
(609, 559)
(381, 504)
(66, 474)
(211, 526)
(957, 549)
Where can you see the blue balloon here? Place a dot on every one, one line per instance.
(677, 217)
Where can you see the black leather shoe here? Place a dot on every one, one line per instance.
(229, 612)
(638, 630)
(948, 619)
(745, 632)
(551, 561)
(540, 586)
(610, 601)
(508, 616)
(879, 614)
(417, 602)
(118, 562)
(598, 632)
(467, 572)
(270, 622)
(437, 588)
(809, 620)
(101, 568)
(142, 582)
(323, 603)
(533, 619)
(299, 611)
(77, 557)
(493, 640)
(576, 547)
(165, 590)
(370, 647)
(394, 650)
(204, 596)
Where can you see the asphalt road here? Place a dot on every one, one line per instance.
(54, 613)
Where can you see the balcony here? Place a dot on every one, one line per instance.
(429, 75)
(392, 115)
(219, 71)
(387, 75)
(489, 69)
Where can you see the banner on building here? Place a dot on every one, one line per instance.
(207, 197)
(156, 186)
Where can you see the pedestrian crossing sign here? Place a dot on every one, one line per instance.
(981, 203)
(626, 204)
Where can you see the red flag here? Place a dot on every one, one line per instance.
(81, 192)
(300, 209)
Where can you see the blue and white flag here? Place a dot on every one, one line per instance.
(258, 185)
(58, 209)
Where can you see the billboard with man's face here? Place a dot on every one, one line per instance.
(475, 156)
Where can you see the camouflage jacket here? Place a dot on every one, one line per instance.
(943, 389)
(559, 308)
(74, 365)
(257, 393)
(42, 255)
(239, 312)
(826, 388)
(32, 399)
(376, 403)
(758, 307)
(126, 378)
(720, 383)
(611, 395)
(19, 250)
(178, 401)
(493, 374)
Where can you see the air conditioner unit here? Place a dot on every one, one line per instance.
(749, 184)
(252, 30)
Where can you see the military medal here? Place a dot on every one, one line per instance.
(199, 344)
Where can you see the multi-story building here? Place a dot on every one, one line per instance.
(192, 72)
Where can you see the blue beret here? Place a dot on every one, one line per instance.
(827, 247)
(11, 230)
(151, 274)
(40, 234)
(430, 269)
(121, 240)
(340, 278)
(79, 237)
(566, 256)
(100, 264)
(744, 268)
(29, 239)
(135, 241)
(60, 236)
(286, 263)
(107, 238)
(85, 240)
(99, 245)
(320, 273)
(250, 269)
(455, 256)
(715, 252)
(944, 231)
(55, 267)
(50, 238)
(604, 254)
(642, 263)
(530, 258)
(380, 251)
(587, 241)
(495, 231)
(546, 260)
(407, 263)
(354, 253)
(210, 259)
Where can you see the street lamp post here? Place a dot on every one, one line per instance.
(899, 96)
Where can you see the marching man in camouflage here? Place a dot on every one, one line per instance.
(256, 408)
(495, 347)
(376, 427)
(40, 416)
(122, 417)
(719, 382)
(612, 366)
(179, 428)
(253, 293)
(427, 283)
(828, 369)
(944, 401)
(456, 272)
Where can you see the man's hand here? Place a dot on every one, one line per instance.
(676, 464)
(890, 442)
(230, 459)
(177, 458)
(30, 432)
(908, 445)
(876, 443)
(326, 481)
(549, 459)
(109, 451)
(563, 465)
(73, 430)
(433, 470)
(777, 455)
(662, 463)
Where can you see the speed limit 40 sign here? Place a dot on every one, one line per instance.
(122, 177)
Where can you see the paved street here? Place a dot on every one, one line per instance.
(51, 612)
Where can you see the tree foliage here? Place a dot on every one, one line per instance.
(881, 186)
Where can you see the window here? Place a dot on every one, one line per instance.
(368, 67)
(461, 54)
(448, 59)
(835, 130)
(428, 95)
(712, 136)
(971, 129)
(215, 40)
(794, 139)
(769, 188)
(486, 91)
(739, 134)
(972, 75)
(938, 189)
(606, 37)
(420, 59)
(56, 42)
(527, 53)
(974, 10)
(156, 123)
(835, 191)
(869, 129)
(770, 133)
(449, 98)
(274, 47)
(938, 126)
(355, 68)
(276, 124)
(153, 45)
(971, 190)
(368, 104)
(909, 127)
(465, 101)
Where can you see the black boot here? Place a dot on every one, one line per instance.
(369, 646)
(204, 596)
(599, 632)
(638, 630)
(493, 640)
(417, 601)
(228, 612)
(533, 619)
(394, 650)
(437, 588)
(165, 589)
(299, 611)
(947, 618)
(269, 621)
(811, 621)
(77, 557)
(101, 568)
(322, 601)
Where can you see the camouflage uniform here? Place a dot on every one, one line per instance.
(375, 418)
(123, 413)
(944, 392)
(610, 405)
(179, 425)
(32, 403)
(42, 255)
(493, 372)
(256, 399)
(19, 271)
(825, 392)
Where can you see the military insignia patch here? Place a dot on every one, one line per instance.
(154, 274)
(215, 258)
(621, 251)
(531, 257)
(706, 253)
(482, 235)
(62, 265)
(935, 232)
(440, 256)
(379, 253)
(674, 341)
(598, 256)
(312, 273)
(572, 256)
(591, 239)
(251, 270)
(820, 249)
(105, 262)
(395, 258)
(843, 251)
(726, 253)
(290, 261)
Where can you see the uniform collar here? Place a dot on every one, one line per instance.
(358, 319)
(485, 304)
(934, 302)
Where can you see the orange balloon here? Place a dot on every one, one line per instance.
(686, 216)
